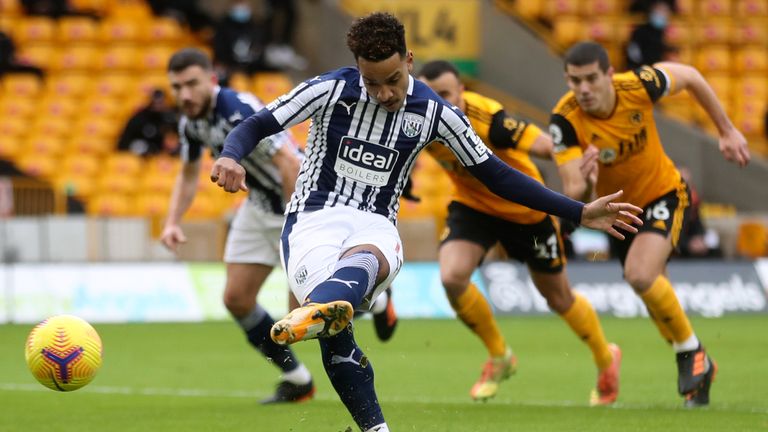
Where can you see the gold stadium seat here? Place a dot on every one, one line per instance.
(103, 107)
(77, 30)
(714, 31)
(21, 85)
(51, 127)
(155, 183)
(164, 30)
(155, 58)
(82, 58)
(119, 57)
(70, 85)
(686, 8)
(602, 7)
(532, 9)
(80, 143)
(558, 8)
(751, 8)
(601, 30)
(709, 8)
(239, 81)
(114, 31)
(17, 108)
(151, 204)
(97, 127)
(37, 165)
(751, 59)
(678, 33)
(7, 22)
(34, 29)
(115, 85)
(38, 54)
(752, 241)
(750, 125)
(74, 185)
(134, 10)
(269, 85)
(567, 30)
(204, 207)
(123, 164)
(751, 31)
(59, 107)
(752, 86)
(100, 6)
(714, 58)
(14, 126)
(41, 144)
(112, 182)
(86, 165)
(10, 146)
(151, 80)
(10, 8)
(108, 204)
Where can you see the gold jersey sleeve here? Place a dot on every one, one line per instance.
(631, 156)
(509, 139)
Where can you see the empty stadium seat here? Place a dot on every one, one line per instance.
(21, 85)
(114, 31)
(77, 30)
(558, 8)
(51, 127)
(752, 241)
(34, 29)
(567, 30)
(37, 165)
(123, 164)
(14, 126)
(163, 165)
(71, 85)
(120, 58)
(751, 59)
(43, 144)
(751, 31)
(84, 165)
(714, 31)
(151, 204)
(155, 58)
(64, 108)
(714, 58)
(108, 204)
(269, 85)
(601, 7)
(678, 33)
(89, 144)
(10, 146)
(19, 108)
(751, 86)
(164, 30)
(115, 85)
(751, 8)
(10, 8)
(97, 127)
(104, 107)
(686, 8)
(81, 58)
(113, 182)
(709, 8)
(38, 54)
(74, 185)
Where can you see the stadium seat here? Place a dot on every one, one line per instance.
(108, 204)
(709, 8)
(18, 108)
(751, 59)
(81, 58)
(686, 8)
(714, 58)
(163, 165)
(300, 133)
(567, 30)
(38, 54)
(44, 145)
(751, 8)
(110, 108)
(601, 29)
(678, 33)
(164, 30)
(751, 31)
(152, 80)
(64, 108)
(591, 8)
(72, 85)
(134, 10)
(115, 85)
(7, 23)
(77, 30)
(151, 204)
(269, 85)
(204, 207)
(51, 127)
(14, 126)
(81, 165)
(34, 29)
(714, 31)
(88, 144)
(10, 146)
(155, 58)
(123, 164)
(21, 85)
(750, 125)
(558, 8)
(74, 185)
(154, 183)
(10, 8)
(97, 127)
(120, 58)
(531, 9)
(239, 81)
(37, 165)
(113, 182)
(752, 239)
(751, 86)
(120, 31)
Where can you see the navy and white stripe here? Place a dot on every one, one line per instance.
(229, 109)
(381, 147)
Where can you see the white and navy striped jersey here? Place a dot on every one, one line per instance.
(360, 155)
(229, 109)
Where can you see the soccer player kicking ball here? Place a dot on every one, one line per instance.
(478, 219)
(340, 247)
(611, 116)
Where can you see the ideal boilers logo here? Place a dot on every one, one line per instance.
(365, 162)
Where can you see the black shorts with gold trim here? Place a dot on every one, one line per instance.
(666, 215)
(539, 245)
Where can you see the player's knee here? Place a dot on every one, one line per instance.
(455, 282)
(638, 278)
(237, 303)
(558, 301)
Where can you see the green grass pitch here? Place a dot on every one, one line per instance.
(204, 377)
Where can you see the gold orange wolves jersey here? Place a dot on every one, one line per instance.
(631, 156)
(509, 139)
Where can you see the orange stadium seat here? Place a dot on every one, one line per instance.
(204, 207)
(97, 127)
(164, 30)
(151, 204)
(71, 85)
(752, 86)
(709, 8)
(154, 183)
(101, 6)
(34, 29)
(38, 54)
(76, 30)
(591, 8)
(10, 7)
(163, 165)
(120, 57)
(239, 81)
(155, 58)
(558, 8)
(84, 165)
(714, 31)
(52, 127)
(750, 125)
(686, 8)
(601, 30)
(115, 84)
(81, 58)
(751, 59)
(65, 108)
(123, 164)
(104, 107)
(112, 182)
(751, 8)
(714, 58)
(74, 185)
(120, 31)
(40, 144)
(108, 204)
(751, 31)
(135, 10)
(14, 126)
(21, 85)
(150, 81)
(7, 23)
(722, 84)
(18, 108)
(567, 30)
(752, 241)
(269, 85)
(37, 165)
(80, 143)
(10, 146)
(678, 33)
(531, 9)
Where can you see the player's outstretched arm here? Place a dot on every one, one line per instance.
(181, 198)
(732, 143)
(605, 215)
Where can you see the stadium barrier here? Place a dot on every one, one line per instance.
(180, 292)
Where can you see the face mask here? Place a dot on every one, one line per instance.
(240, 13)
(658, 20)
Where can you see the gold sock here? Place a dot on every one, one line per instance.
(666, 333)
(582, 319)
(475, 312)
(664, 307)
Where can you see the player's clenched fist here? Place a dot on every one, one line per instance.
(228, 174)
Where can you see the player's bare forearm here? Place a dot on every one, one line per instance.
(575, 185)
(542, 147)
(183, 192)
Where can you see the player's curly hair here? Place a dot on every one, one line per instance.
(584, 53)
(376, 37)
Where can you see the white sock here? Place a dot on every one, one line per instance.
(300, 375)
(379, 428)
(689, 344)
(380, 304)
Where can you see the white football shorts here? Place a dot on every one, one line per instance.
(254, 236)
(312, 243)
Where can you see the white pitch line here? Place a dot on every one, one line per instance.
(242, 394)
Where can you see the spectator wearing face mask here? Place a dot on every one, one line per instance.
(647, 44)
(238, 41)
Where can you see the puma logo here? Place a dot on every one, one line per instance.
(348, 107)
(337, 359)
(347, 283)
